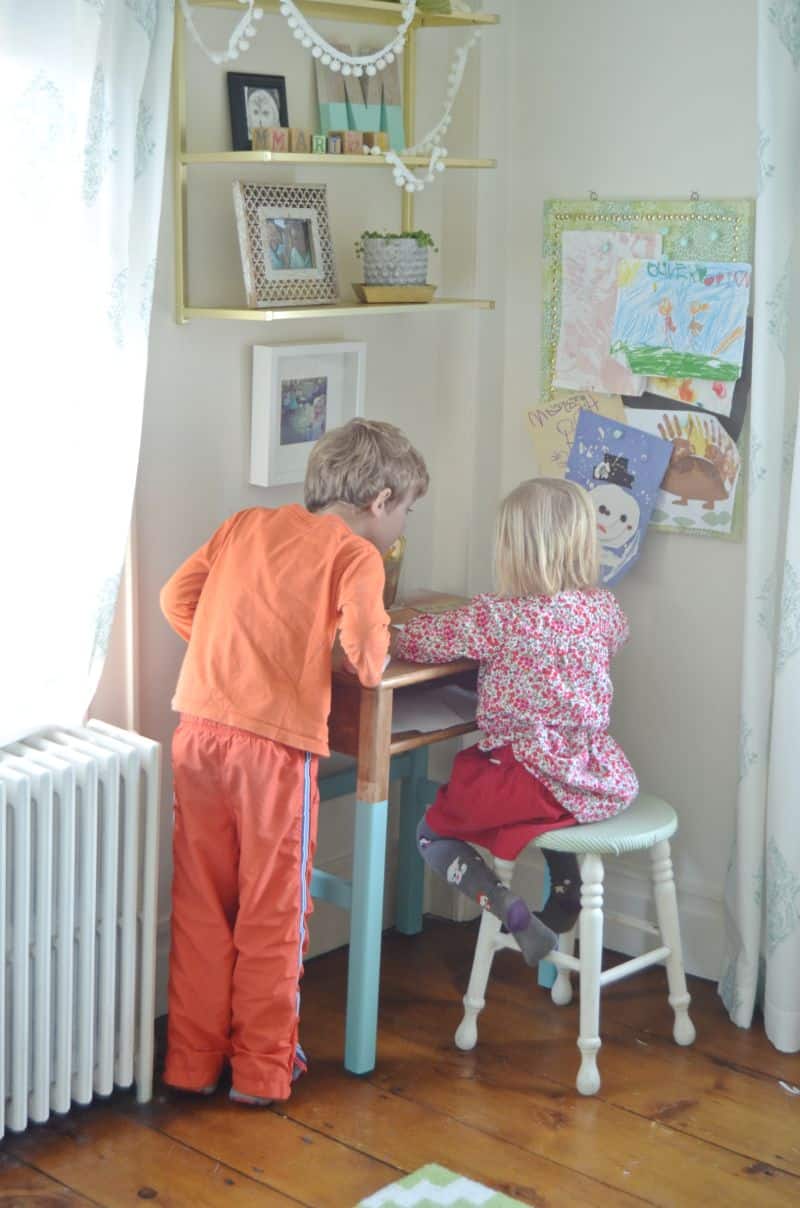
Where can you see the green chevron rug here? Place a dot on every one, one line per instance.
(432, 1186)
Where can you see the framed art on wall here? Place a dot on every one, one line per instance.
(256, 102)
(300, 391)
(285, 244)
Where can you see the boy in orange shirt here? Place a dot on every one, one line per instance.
(260, 605)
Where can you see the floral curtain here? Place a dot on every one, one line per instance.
(762, 962)
(84, 97)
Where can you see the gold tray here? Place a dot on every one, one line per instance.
(393, 293)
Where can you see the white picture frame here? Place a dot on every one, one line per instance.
(299, 392)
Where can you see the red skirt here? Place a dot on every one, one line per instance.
(494, 801)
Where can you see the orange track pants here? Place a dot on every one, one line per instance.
(243, 843)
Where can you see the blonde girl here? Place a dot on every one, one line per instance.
(544, 642)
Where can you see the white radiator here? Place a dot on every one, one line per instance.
(79, 865)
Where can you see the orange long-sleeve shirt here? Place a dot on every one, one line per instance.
(259, 605)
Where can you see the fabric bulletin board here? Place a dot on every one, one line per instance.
(698, 231)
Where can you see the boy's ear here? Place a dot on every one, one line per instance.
(380, 501)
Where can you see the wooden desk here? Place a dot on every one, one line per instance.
(361, 726)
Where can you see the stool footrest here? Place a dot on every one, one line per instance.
(655, 957)
(562, 961)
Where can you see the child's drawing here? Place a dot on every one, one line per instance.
(553, 425)
(622, 469)
(728, 399)
(699, 487)
(681, 319)
(589, 262)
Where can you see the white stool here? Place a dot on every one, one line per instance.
(647, 824)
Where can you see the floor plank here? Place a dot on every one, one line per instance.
(21, 1185)
(118, 1162)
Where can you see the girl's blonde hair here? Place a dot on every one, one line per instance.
(546, 539)
(354, 463)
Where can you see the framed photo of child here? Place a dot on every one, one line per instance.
(300, 391)
(285, 244)
(256, 102)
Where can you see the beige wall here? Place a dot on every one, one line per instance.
(611, 96)
(604, 95)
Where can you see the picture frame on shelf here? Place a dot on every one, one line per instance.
(256, 102)
(299, 392)
(285, 244)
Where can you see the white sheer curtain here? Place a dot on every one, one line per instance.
(84, 97)
(762, 963)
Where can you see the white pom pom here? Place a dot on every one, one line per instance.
(216, 57)
(286, 9)
(371, 69)
(358, 71)
(258, 13)
(440, 167)
(346, 69)
(381, 63)
(306, 42)
(316, 52)
(336, 65)
(251, 31)
(233, 54)
(292, 23)
(411, 187)
(244, 44)
(389, 57)
(298, 33)
(399, 47)
(326, 58)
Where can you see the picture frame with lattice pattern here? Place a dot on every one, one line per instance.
(285, 244)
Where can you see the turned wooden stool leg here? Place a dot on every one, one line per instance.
(475, 997)
(668, 922)
(561, 991)
(590, 927)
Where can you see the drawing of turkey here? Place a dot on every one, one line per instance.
(701, 466)
(618, 514)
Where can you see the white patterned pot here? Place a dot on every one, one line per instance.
(394, 262)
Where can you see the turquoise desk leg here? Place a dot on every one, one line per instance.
(547, 970)
(410, 868)
(366, 925)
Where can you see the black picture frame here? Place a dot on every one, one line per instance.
(240, 84)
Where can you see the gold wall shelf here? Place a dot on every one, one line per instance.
(369, 12)
(325, 160)
(373, 12)
(339, 310)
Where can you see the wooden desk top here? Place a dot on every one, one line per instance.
(400, 673)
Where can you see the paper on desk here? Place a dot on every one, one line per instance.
(429, 707)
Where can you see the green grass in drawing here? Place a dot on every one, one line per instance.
(666, 362)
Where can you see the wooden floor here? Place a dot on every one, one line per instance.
(670, 1126)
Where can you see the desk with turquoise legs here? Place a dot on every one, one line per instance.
(361, 726)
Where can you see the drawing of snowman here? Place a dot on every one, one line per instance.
(617, 513)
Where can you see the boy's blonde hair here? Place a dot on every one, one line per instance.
(546, 539)
(354, 463)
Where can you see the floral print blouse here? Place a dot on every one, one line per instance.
(543, 687)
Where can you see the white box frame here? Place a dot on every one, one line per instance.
(344, 365)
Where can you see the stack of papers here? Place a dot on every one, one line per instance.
(428, 707)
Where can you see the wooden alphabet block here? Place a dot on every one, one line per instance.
(319, 144)
(352, 141)
(376, 138)
(300, 141)
(334, 144)
(270, 138)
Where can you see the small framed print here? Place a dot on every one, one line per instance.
(300, 392)
(285, 244)
(256, 102)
